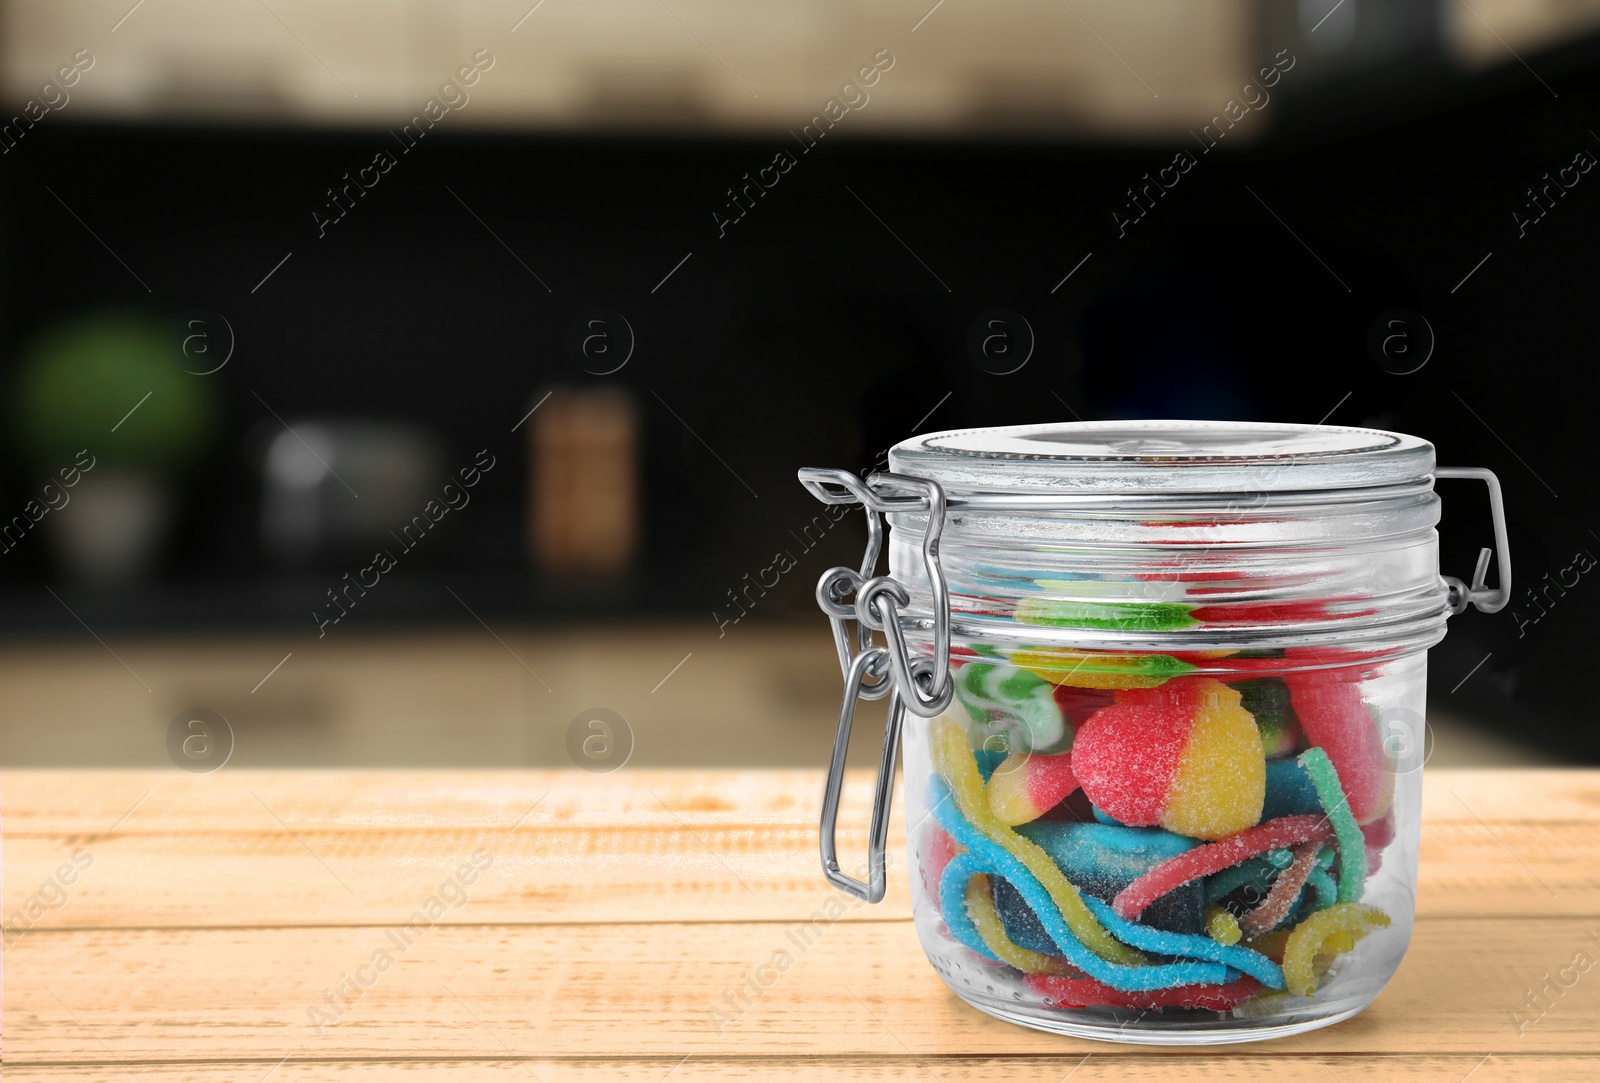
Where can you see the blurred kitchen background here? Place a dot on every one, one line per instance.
(549, 300)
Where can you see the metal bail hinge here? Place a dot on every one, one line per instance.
(1461, 595)
(871, 671)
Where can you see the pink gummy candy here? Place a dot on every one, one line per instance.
(1023, 788)
(1329, 706)
(1126, 755)
(936, 851)
(1379, 833)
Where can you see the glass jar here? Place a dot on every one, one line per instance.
(1165, 683)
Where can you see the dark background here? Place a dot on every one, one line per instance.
(810, 335)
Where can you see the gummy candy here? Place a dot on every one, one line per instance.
(933, 855)
(980, 921)
(1125, 616)
(1334, 718)
(955, 764)
(986, 921)
(1254, 875)
(1216, 856)
(1101, 861)
(1352, 843)
(1312, 935)
(1100, 669)
(1290, 791)
(1162, 942)
(1185, 755)
(1322, 885)
(1016, 700)
(1267, 700)
(1280, 901)
(1088, 993)
(1221, 925)
(988, 857)
(1379, 833)
(1023, 788)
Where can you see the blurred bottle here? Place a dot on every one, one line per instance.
(583, 481)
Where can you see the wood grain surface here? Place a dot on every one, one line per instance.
(169, 927)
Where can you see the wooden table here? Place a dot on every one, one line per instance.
(226, 927)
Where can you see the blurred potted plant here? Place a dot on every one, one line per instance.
(109, 387)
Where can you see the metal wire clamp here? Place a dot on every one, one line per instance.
(1461, 595)
(871, 671)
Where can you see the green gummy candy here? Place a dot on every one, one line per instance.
(1014, 698)
(1256, 873)
(1267, 700)
(1346, 832)
(1123, 616)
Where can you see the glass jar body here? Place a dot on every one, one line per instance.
(1175, 797)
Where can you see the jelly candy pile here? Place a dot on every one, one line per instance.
(1183, 831)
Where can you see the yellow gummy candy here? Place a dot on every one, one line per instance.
(1007, 792)
(1221, 781)
(1221, 926)
(986, 919)
(1338, 943)
(1270, 944)
(952, 757)
(1350, 921)
(1099, 669)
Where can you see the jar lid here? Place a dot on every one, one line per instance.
(1132, 457)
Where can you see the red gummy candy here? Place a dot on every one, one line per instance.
(1288, 612)
(1214, 857)
(1077, 704)
(1126, 755)
(1379, 833)
(1329, 706)
(1088, 993)
(937, 850)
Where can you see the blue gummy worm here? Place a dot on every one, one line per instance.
(952, 897)
(1327, 892)
(953, 906)
(988, 857)
(1162, 942)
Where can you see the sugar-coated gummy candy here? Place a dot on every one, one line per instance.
(1352, 843)
(1312, 935)
(952, 758)
(1254, 876)
(1290, 791)
(1284, 612)
(1101, 861)
(1014, 699)
(1024, 787)
(1379, 834)
(1267, 700)
(1119, 616)
(996, 936)
(1221, 925)
(988, 760)
(1335, 719)
(1100, 669)
(1188, 945)
(1077, 704)
(988, 858)
(1184, 755)
(933, 854)
(1067, 992)
(1284, 894)
(1213, 857)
